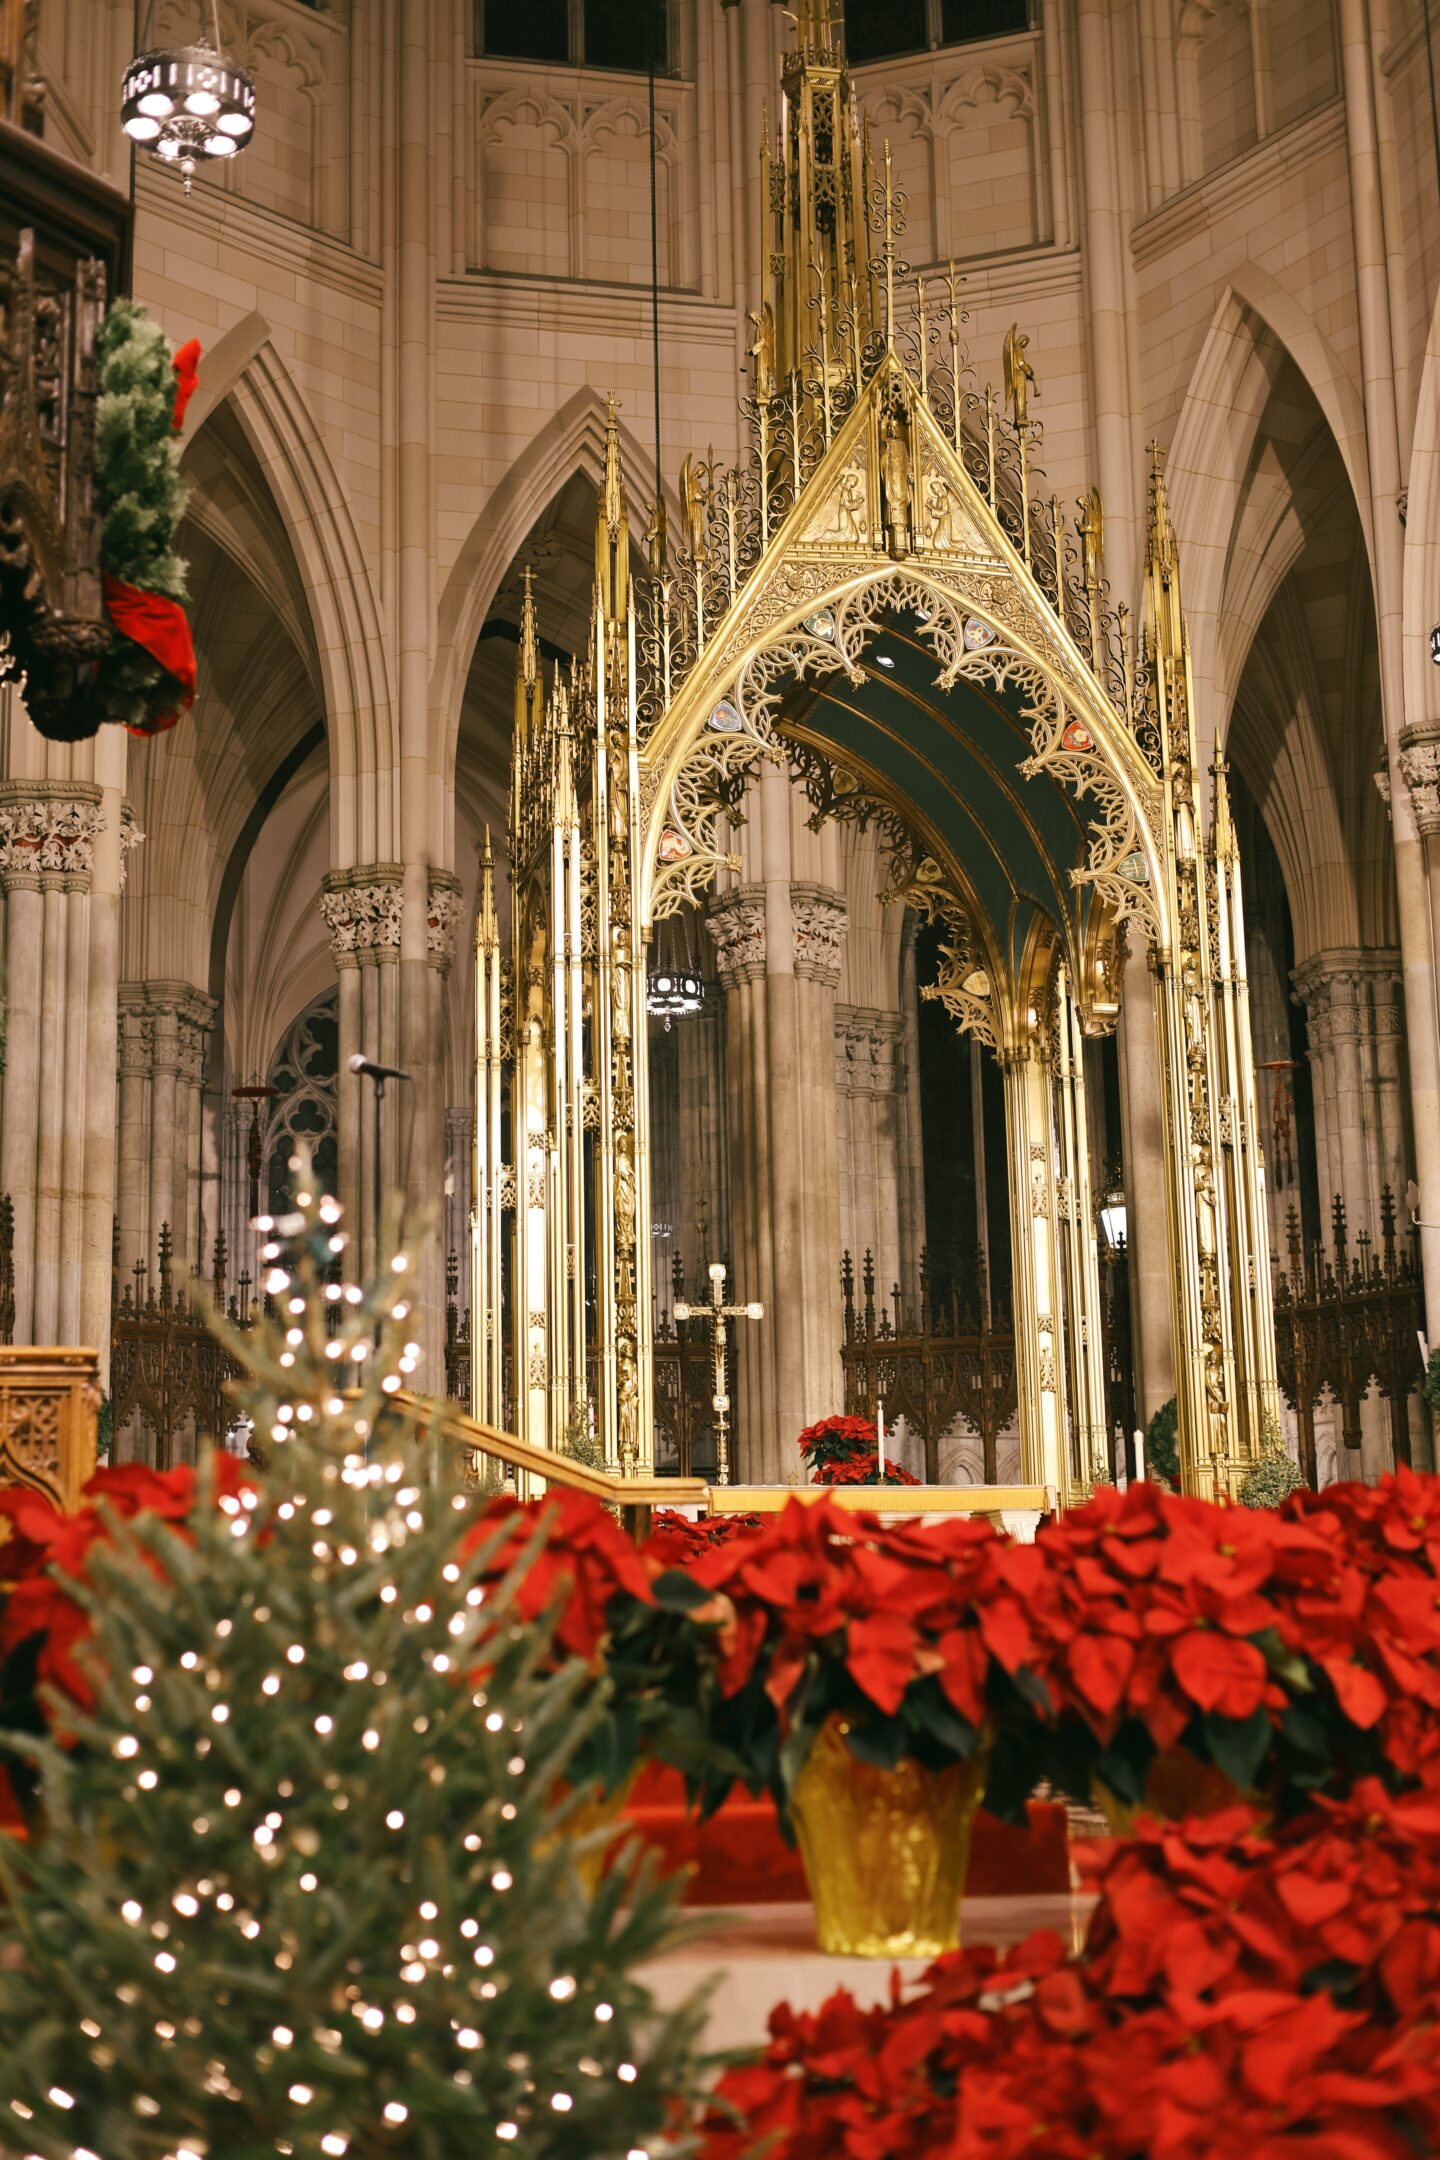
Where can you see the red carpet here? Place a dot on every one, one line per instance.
(740, 1858)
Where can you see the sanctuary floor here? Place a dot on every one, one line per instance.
(761, 1955)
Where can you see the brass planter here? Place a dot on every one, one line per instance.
(595, 1812)
(1177, 1785)
(885, 1851)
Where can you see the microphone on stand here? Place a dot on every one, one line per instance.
(359, 1064)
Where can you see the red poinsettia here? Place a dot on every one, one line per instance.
(836, 1440)
(48, 1551)
(1234, 1994)
(675, 1540)
(863, 1470)
(583, 1562)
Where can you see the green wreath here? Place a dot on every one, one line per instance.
(141, 500)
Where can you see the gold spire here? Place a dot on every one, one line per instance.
(612, 529)
(815, 203)
(529, 687)
(487, 927)
(1222, 831)
(1161, 544)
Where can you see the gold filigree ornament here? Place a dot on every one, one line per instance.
(885, 1851)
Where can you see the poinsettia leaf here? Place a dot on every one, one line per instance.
(678, 1592)
(881, 1742)
(1125, 1764)
(1238, 1746)
(926, 1710)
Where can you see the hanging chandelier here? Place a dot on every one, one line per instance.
(184, 103)
(674, 994)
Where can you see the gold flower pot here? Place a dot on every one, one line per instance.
(1177, 1785)
(595, 1812)
(885, 1851)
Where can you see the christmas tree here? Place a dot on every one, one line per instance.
(305, 1881)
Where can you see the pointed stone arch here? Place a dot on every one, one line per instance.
(246, 371)
(572, 440)
(1255, 322)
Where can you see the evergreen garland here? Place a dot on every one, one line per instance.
(1162, 1444)
(306, 1882)
(141, 497)
(1272, 1477)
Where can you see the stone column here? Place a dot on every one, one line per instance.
(778, 949)
(1353, 1024)
(362, 909)
(164, 1037)
(49, 831)
(872, 1087)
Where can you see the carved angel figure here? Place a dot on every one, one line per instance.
(1092, 538)
(895, 479)
(1019, 375)
(762, 351)
(692, 504)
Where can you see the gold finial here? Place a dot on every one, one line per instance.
(612, 527)
(613, 507)
(1162, 533)
(529, 643)
(1019, 375)
(529, 687)
(487, 929)
(1223, 830)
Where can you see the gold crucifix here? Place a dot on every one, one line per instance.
(718, 1313)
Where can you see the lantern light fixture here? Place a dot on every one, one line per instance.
(674, 994)
(185, 103)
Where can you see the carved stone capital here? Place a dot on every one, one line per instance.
(820, 924)
(130, 838)
(164, 1028)
(442, 916)
(362, 910)
(1420, 770)
(736, 924)
(869, 1059)
(47, 833)
(1349, 996)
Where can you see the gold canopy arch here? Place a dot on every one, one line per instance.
(880, 484)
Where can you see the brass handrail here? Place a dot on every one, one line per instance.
(634, 1496)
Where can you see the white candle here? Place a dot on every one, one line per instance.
(880, 1438)
(1139, 1456)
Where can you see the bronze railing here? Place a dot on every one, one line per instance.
(168, 1373)
(684, 1378)
(1348, 1318)
(929, 1362)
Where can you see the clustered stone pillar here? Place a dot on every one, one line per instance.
(778, 950)
(873, 1104)
(164, 1032)
(362, 910)
(1352, 1003)
(61, 865)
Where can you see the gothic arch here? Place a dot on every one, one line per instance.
(1255, 322)
(1422, 549)
(573, 439)
(246, 370)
